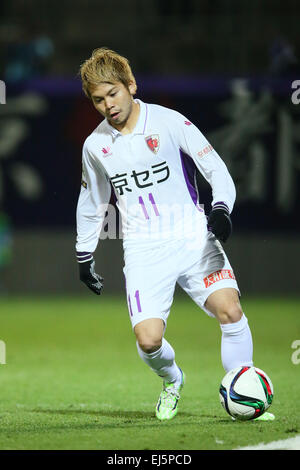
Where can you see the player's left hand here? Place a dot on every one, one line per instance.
(220, 223)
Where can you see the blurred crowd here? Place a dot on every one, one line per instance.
(42, 37)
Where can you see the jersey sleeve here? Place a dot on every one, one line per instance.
(91, 207)
(192, 142)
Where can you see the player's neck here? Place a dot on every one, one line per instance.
(128, 126)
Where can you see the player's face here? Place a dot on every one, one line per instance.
(114, 101)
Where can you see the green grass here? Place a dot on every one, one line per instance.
(73, 378)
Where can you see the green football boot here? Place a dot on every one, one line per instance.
(167, 405)
(266, 416)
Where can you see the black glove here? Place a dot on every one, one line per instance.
(90, 277)
(220, 223)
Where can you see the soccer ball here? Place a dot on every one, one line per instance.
(246, 392)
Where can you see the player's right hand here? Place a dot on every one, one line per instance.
(90, 278)
(220, 223)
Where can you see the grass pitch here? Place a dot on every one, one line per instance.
(73, 379)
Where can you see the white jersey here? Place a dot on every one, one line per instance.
(152, 173)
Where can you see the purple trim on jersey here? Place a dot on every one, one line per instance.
(83, 256)
(221, 205)
(189, 168)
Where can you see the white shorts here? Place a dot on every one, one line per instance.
(152, 271)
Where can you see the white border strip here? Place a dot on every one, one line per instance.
(292, 443)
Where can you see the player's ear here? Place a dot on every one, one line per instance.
(132, 87)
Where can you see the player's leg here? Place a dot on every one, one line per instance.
(155, 350)
(209, 280)
(236, 342)
(159, 355)
(150, 286)
(211, 283)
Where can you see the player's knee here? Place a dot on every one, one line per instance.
(149, 335)
(230, 313)
(149, 343)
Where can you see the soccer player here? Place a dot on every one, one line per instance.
(148, 155)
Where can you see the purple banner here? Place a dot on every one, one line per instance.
(252, 123)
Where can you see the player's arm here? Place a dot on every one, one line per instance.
(91, 207)
(214, 170)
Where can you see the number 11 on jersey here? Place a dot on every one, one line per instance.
(151, 199)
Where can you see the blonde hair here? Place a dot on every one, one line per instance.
(105, 66)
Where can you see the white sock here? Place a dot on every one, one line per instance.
(236, 344)
(162, 362)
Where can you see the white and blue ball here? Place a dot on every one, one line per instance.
(246, 393)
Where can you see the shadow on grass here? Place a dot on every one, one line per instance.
(125, 414)
(92, 420)
(130, 416)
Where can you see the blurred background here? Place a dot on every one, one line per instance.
(228, 65)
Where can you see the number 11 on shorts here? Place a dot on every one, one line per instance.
(137, 298)
(138, 302)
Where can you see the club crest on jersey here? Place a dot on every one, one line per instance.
(153, 142)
